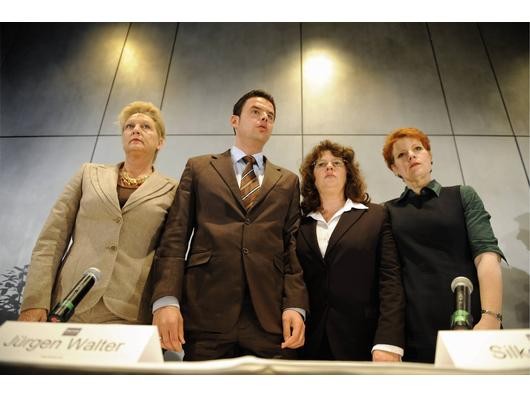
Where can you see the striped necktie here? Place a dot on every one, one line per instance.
(249, 182)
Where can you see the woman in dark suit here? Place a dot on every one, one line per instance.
(351, 269)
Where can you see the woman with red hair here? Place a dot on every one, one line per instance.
(441, 233)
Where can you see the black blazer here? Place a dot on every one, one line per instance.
(356, 296)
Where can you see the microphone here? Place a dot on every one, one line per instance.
(63, 311)
(461, 319)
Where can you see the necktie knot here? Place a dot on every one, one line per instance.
(249, 158)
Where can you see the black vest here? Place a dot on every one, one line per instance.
(433, 246)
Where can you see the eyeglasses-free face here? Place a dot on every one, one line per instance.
(412, 161)
(254, 126)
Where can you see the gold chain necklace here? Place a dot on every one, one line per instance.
(129, 181)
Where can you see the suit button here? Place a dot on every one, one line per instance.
(245, 251)
(247, 221)
(117, 220)
(113, 248)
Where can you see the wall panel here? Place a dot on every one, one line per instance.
(215, 63)
(507, 45)
(57, 78)
(475, 106)
(524, 146)
(143, 70)
(33, 173)
(382, 76)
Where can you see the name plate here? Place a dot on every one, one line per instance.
(483, 349)
(99, 344)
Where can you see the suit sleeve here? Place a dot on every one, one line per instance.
(391, 324)
(169, 263)
(295, 292)
(52, 244)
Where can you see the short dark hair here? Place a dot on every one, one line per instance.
(255, 93)
(355, 188)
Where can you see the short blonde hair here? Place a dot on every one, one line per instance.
(146, 108)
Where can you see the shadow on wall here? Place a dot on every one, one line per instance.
(11, 286)
(516, 289)
(524, 233)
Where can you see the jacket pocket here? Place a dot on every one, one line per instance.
(200, 258)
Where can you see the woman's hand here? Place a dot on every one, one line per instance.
(33, 315)
(487, 322)
(385, 356)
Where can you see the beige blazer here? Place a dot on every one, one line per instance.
(119, 241)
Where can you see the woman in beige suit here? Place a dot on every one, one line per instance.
(112, 215)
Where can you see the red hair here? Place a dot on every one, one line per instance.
(400, 133)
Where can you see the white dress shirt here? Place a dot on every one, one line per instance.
(324, 230)
(239, 164)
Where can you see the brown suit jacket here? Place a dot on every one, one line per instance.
(355, 290)
(230, 247)
(119, 241)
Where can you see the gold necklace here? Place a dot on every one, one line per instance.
(129, 181)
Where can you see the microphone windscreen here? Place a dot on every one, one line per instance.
(461, 281)
(93, 271)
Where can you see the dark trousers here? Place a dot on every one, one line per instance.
(247, 337)
(419, 354)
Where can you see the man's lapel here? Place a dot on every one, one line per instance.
(271, 176)
(223, 165)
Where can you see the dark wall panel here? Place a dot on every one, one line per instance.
(507, 45)
(57, 78)
(475, 106)
(8, 32)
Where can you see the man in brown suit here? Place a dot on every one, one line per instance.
(240, 288)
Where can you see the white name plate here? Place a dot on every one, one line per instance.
(483, 349)
(99, 344)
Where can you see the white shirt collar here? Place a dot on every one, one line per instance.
(348, 205)
(237, 154)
